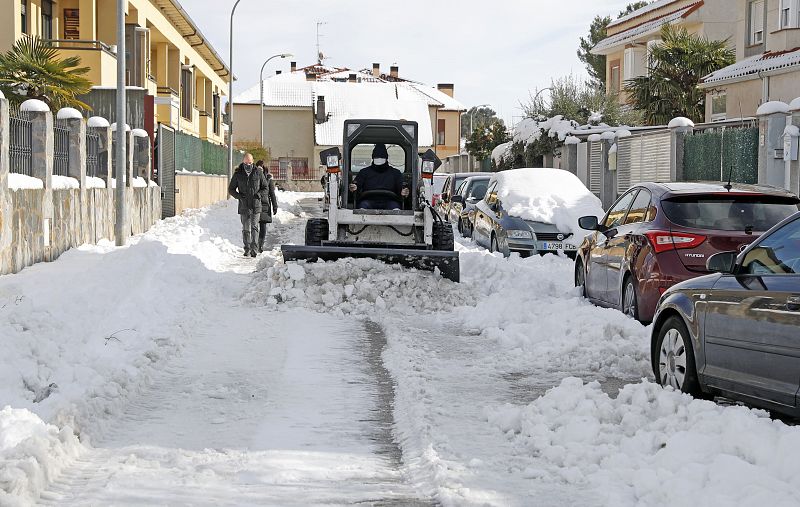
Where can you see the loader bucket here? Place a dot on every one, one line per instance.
(428, 260)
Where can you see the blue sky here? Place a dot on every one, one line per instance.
(494, 52)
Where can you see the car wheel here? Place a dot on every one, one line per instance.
(675, 357)
(580, 277)
(630, 305)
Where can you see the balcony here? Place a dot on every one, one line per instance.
(99, 57)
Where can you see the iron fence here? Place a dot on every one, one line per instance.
(21, 152)
(60, 149)
(92, 154)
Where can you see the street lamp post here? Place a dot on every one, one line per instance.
(121, 231)
(230, 97)
(261, 82)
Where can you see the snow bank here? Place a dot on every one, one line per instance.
(551, 196)
(64, 182)
(31, 454)
(23, 182)
(629, 447)
(772, 107)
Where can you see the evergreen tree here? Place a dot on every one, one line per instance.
(486, 138)
(480, 117)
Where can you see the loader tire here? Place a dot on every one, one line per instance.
(316, 231)
(443, 237)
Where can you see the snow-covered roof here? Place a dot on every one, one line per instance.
(386, 101)
(650, 27)
(642, 11)
(280, 93)
(438, 98)
(750, 67)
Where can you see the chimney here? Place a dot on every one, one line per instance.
(310, 76)
(446, 88)
(278, 72)
(376, 69)
(352, 78)
(322, 117)
(394, 71)
(293, 66)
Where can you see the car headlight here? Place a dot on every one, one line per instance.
(517, 234)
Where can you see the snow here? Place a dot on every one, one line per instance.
(572, 140)
(791, 130)
(529, 129)
(95, 182)
(593, 138)
(139, 182)
(1, 95)
(596, 117)
(114, 127)
(794, 105)
(751, 67)
(34, 106)
(639, 31)
(64, 182)
(501, 151)
(139, 133)
(608, 135)
(23, 182)
(679, 122)
(623, 133)
(772, 107)
(68, 113)
(551, 196)
(97, 122)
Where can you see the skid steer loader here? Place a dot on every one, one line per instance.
(413, 236)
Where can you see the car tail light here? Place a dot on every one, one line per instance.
(662, 241)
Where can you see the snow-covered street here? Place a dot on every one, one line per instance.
(176, 372)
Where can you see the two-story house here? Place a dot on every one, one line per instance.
(767, 60)
(304, 110)
(175, 76)
(629, 37)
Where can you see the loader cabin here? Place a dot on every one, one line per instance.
(400, 138)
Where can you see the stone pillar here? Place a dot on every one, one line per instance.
(5, 197)
(771, 124)
(42, 140)
(608, 178)
(679, 128)
(76, 125)
(142, 162)
(569, 155)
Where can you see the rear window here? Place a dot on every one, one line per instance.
(729, 213)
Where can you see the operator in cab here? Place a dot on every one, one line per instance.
(379, 176)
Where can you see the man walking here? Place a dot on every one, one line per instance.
(248, 186)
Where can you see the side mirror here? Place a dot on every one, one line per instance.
(589, 223)
(458, 198)
(723, 262)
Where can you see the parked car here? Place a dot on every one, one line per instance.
(660, 234)
(438, 185)
(451, 184)
(463, 203)
(736, 332)
(533, 210)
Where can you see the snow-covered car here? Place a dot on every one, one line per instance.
(735, 332)
(463, 203)
(534, 210)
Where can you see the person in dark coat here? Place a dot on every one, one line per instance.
(379, 176)
(269, 205)
(247, 186)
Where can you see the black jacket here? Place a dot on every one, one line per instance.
(269, 203)
(248, 189)
(379, 177)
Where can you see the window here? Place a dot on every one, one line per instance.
(779, 254)
(72, 24)
(491, 194)
(616, 215)
(722, 212)
(215, 112)
(635, 63)
(478, 190)
(639, 209)
(24, 15)
(47, 19)
(615, 77)
(440, 130)
(756, 22)
(186, 93)
(789, 14)
(719, 106)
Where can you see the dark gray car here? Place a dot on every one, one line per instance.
(736, 332)
(463, 203)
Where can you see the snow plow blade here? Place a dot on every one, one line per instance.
(427, 260)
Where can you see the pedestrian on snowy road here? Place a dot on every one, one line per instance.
(248, 186)
(269, 205)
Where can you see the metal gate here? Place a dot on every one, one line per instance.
(60, 148)
(165, 147)
(643, 158)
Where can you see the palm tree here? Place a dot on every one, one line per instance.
(675, 67)
(31, 70)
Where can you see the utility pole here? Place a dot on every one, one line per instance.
(120, 227)
(230, 97)
(320, 57)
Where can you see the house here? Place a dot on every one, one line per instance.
(767, 60)
(628, 38)
(304, 112)
(174, 75)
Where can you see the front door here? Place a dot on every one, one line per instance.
(752, 341)
(597, 268)
(618, 247)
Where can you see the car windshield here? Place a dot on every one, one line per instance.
(361, 157)
(729, 213)
(438, 184)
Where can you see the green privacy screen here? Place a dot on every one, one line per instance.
(711, 156)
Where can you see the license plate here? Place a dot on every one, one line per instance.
(557, 246)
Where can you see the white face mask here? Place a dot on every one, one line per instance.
(379, 161)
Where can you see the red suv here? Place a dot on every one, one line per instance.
(659, 234)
